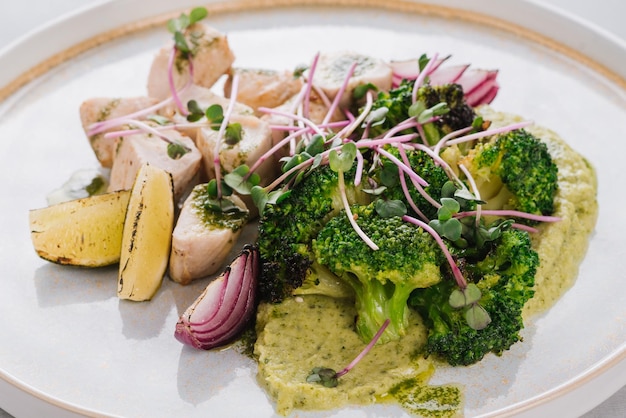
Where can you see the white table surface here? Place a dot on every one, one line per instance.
(18, 17)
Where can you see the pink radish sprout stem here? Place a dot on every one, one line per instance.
(412, 174)
(346, 206)
(345, 132)
(309, 84)
(449, 136)
(293, 116)
(170, 79)
(488, 132)
(359, 168)
(221, 132)
(526, 228)
(438, 160)
(340, 93)
(511, 213)
(329, 125)
(475, 190)
(422, 76)
(366, 350)
(407, 194)
(420, 189)
(458, 276)
(371, 143)
(275, 148)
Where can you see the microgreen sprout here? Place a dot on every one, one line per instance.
(241, 180)
(468, 299)
(178, 26)
(424, 71)
(456, 272)
(215, 113)
(175, 149)
(329, 378)
(445, 224)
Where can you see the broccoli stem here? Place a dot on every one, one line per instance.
(377, 302)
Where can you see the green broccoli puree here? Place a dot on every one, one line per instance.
(304, 332)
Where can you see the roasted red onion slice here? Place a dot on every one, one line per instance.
(224, 308)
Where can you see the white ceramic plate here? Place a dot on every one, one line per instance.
(69, 346)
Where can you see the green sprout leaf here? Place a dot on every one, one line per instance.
(197, 14)
(223, 205)
(451, 228)
(261, 198)
(215, 116)
(466, 195)
(343, 161)
(299, 70)
(233, 134)
(212, 189)
(291, 162)
(423, 61)
(315, 146)
(238, 182)
(477, 317)
(376, 117)
(176, 150)
(448, 208)
(195, 112)
(477, 123)
(390, 208)
(416, 109)
(377, 191)
(324, 376)
(181, 42)
(159, 120)
(460, 298)
(361, 90)
(448, 189)
(389, 174)
(437, 110)
(179, 25)
(96, 186)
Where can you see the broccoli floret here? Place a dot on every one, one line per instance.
(514, 171)
(286, 230)
(408, 258)
(425, 167)
(399, 100)
(505, 277)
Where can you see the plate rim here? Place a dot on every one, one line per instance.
(138, 19)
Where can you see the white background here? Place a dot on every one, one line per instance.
(19, 17)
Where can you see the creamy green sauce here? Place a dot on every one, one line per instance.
(316, 331)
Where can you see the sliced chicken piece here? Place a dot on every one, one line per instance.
(263, 88)
(202, 239)
(212, 58)
(104, 108)
(135, 150)
(205, 98)
(332, 70)
(256, 140)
